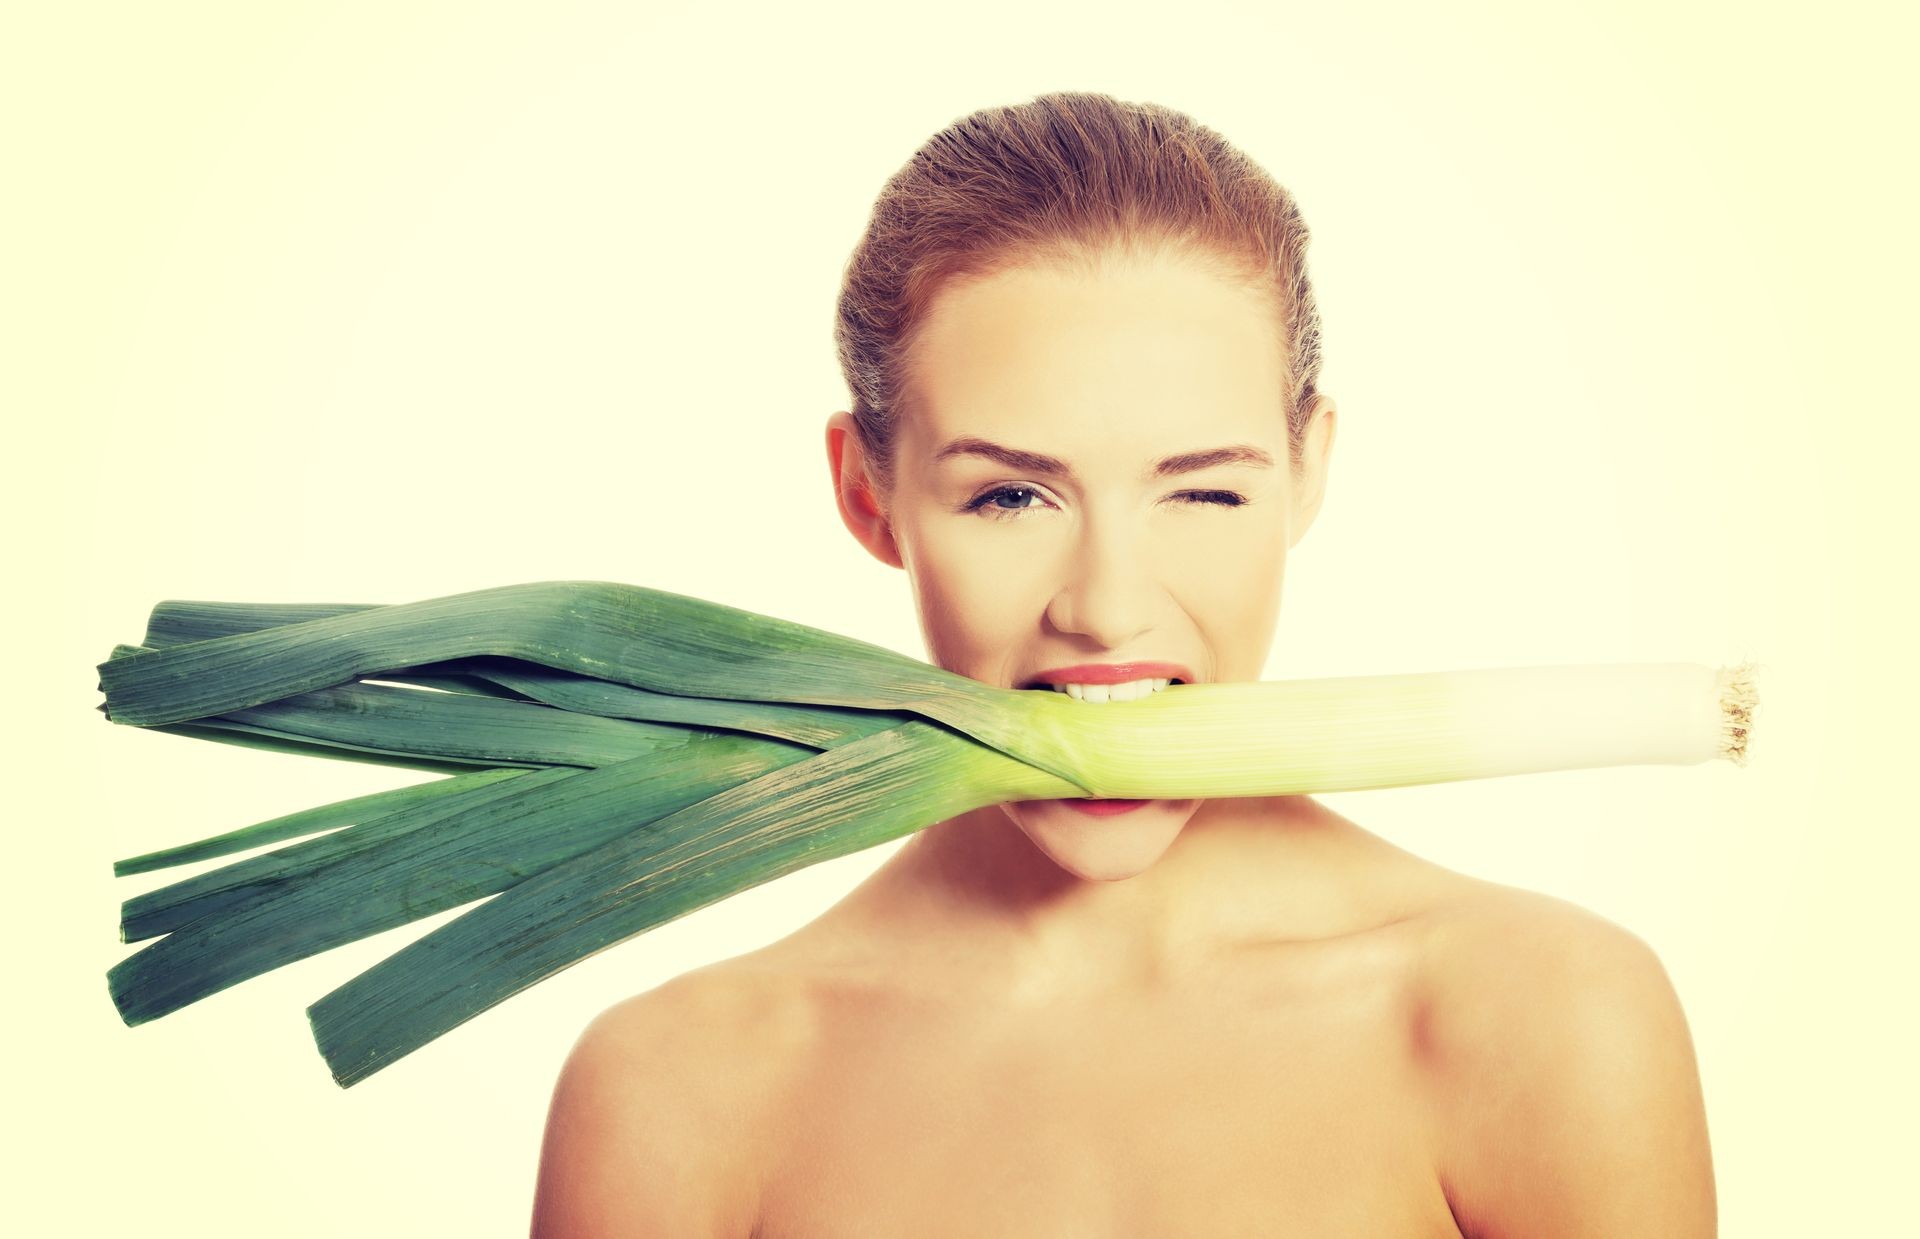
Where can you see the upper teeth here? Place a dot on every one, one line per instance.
(1112, 692)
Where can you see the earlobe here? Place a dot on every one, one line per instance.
(860, 511)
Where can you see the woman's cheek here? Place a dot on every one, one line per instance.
(1228, 579)
(970, 589)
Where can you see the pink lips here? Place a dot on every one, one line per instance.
(1113, 673)
(1101, 808)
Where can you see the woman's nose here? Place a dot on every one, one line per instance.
(1107, 589)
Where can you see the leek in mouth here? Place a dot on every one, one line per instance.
(615, 757)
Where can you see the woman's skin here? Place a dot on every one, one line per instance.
(1205, 1017)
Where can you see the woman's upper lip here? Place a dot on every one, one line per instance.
(1111, 673)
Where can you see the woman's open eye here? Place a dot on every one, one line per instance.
(1217, 498)
(1000, 513)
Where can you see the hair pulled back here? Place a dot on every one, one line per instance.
(1062, 180)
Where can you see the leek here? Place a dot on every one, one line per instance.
(632, 755)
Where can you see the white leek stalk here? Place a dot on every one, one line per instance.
(1325, 735)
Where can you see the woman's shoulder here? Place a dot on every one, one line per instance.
(709, 1013)
(1476, 950)
(659, 1116)
(1560, 1066)
(1512, 969)
(1492, 973)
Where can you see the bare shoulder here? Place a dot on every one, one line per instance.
(660, 1117)
(1497, 953)
(1562, 1072)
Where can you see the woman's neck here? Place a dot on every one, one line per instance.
(1240, 872)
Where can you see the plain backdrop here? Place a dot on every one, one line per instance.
(372, 303)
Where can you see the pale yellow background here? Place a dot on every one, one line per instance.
(373, 303)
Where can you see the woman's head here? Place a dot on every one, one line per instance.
(1083, 355)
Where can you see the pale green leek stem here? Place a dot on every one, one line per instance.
(1285, 737)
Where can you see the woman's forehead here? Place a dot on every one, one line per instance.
(1175, 338)
(1152, 400)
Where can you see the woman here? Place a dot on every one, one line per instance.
(1083, 352)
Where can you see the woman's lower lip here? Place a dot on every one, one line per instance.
(1101, 808)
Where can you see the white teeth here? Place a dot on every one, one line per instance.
(1129, 691)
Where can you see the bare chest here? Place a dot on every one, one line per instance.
(1249, 1113)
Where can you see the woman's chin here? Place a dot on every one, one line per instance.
(1103, 841)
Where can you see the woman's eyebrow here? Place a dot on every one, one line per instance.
(1034, 462)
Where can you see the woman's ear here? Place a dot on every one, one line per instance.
(1316, 450)
(860, 509)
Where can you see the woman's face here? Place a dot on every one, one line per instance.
(1095, 471)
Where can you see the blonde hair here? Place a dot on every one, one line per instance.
(1061, 181)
